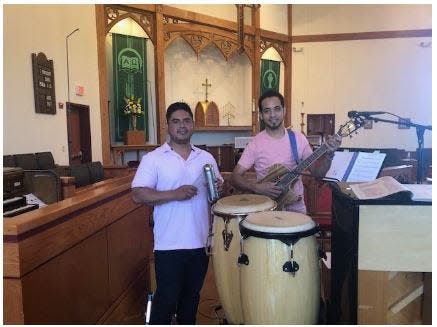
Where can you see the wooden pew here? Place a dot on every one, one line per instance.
(83, 260)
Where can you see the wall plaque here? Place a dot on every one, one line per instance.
(43, 84)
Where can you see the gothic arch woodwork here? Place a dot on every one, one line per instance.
(144, 19)
(199, 37)
(280, 47)
(163, 24)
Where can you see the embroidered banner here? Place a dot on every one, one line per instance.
(269, 78)
(130, 78)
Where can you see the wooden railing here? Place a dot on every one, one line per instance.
(83, 260)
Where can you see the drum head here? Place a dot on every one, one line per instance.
(243, 204)
(281, 222)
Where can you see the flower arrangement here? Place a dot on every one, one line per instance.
(133, 109)
(133, 106)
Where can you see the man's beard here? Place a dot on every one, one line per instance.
(275, 125)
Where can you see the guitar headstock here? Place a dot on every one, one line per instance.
(351, 126)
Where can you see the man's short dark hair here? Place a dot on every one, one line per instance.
(270, 94)
(178, 106)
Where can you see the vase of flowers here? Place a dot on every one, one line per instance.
(133, 109)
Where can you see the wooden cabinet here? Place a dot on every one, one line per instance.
(320, 124)
(224, 155)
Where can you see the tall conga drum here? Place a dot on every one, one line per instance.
(228, 212)
(280, 282)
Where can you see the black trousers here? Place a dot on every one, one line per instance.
(179, 279)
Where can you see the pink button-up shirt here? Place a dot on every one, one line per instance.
(264, 151)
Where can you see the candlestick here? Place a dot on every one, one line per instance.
(302, 124)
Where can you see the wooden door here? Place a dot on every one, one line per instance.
(79, 133)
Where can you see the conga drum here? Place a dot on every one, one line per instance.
(228, 212)
(280, 282)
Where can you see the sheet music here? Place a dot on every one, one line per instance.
(366, 167)
(339, 165)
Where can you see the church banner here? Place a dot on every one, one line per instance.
(130, 78)
(269, 78)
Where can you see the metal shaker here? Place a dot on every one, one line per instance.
(213, 194)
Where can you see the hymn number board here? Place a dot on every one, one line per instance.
(43, 84)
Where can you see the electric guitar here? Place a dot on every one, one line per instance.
(286, 178)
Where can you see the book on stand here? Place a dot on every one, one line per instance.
(387, 187)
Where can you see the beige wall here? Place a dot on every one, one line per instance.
(392, 75)
(274, 18)
(43, 28)
(327, 19)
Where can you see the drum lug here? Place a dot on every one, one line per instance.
(243, 259)
(291, 267)
(227, 238)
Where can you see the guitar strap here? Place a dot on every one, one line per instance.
(292, 138)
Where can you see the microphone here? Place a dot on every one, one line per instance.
(351, 114)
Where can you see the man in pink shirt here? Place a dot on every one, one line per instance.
(273, 146)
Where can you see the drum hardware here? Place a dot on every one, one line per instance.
(208, 245)
(242, 258)
(290, 266)
(227, 236)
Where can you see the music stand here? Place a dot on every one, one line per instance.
(420, 130)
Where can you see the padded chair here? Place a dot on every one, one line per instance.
(81, 173)
(27, 161)
(8, 161)
(97, 172)
(44, 183)
(45, 161)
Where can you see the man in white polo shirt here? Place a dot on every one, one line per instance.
(171, 179)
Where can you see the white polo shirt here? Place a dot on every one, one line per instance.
(178, 224)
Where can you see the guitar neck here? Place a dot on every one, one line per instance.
(311, 159)
(304, 164)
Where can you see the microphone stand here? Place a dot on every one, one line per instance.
(420, 130)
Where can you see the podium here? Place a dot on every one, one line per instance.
(381, 260)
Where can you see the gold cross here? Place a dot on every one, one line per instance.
(206, 85)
